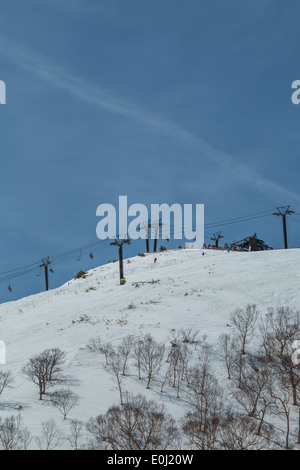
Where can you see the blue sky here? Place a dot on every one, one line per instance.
(162, 101)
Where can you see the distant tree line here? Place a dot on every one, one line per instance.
(262, 381)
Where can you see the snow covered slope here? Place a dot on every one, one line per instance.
(183, 289)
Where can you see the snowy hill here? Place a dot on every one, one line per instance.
(183, 289)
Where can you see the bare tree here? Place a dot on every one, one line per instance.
(228, 351)
(6, 378)
(96, 345)
(279, 330)
(244, 322)
(238, 432)
(125, 350)
(252, 393)
(191, 336)
(152, 354)
(239, 363)
(44, 369)
(51, 436)
(174, 343)
(76, 428)
(201, 426)
(64, 400)
(138, 425)
(138, 355)
(178, 359)
(55, 357)
(201, 435)
(13, 435)
(281, 396)
(174, 361)
(26, 439)
(116, 367)
(108, 352)
(167, 377)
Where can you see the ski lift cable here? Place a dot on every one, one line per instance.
(294, 219)
(225, 223)
(23, 267)
(100, 245)
(83, 249)
(21, 273)
(71, 258)
(245, 216)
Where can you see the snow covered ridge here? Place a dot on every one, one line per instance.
(179, 308)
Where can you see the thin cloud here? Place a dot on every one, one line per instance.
(95, 96)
